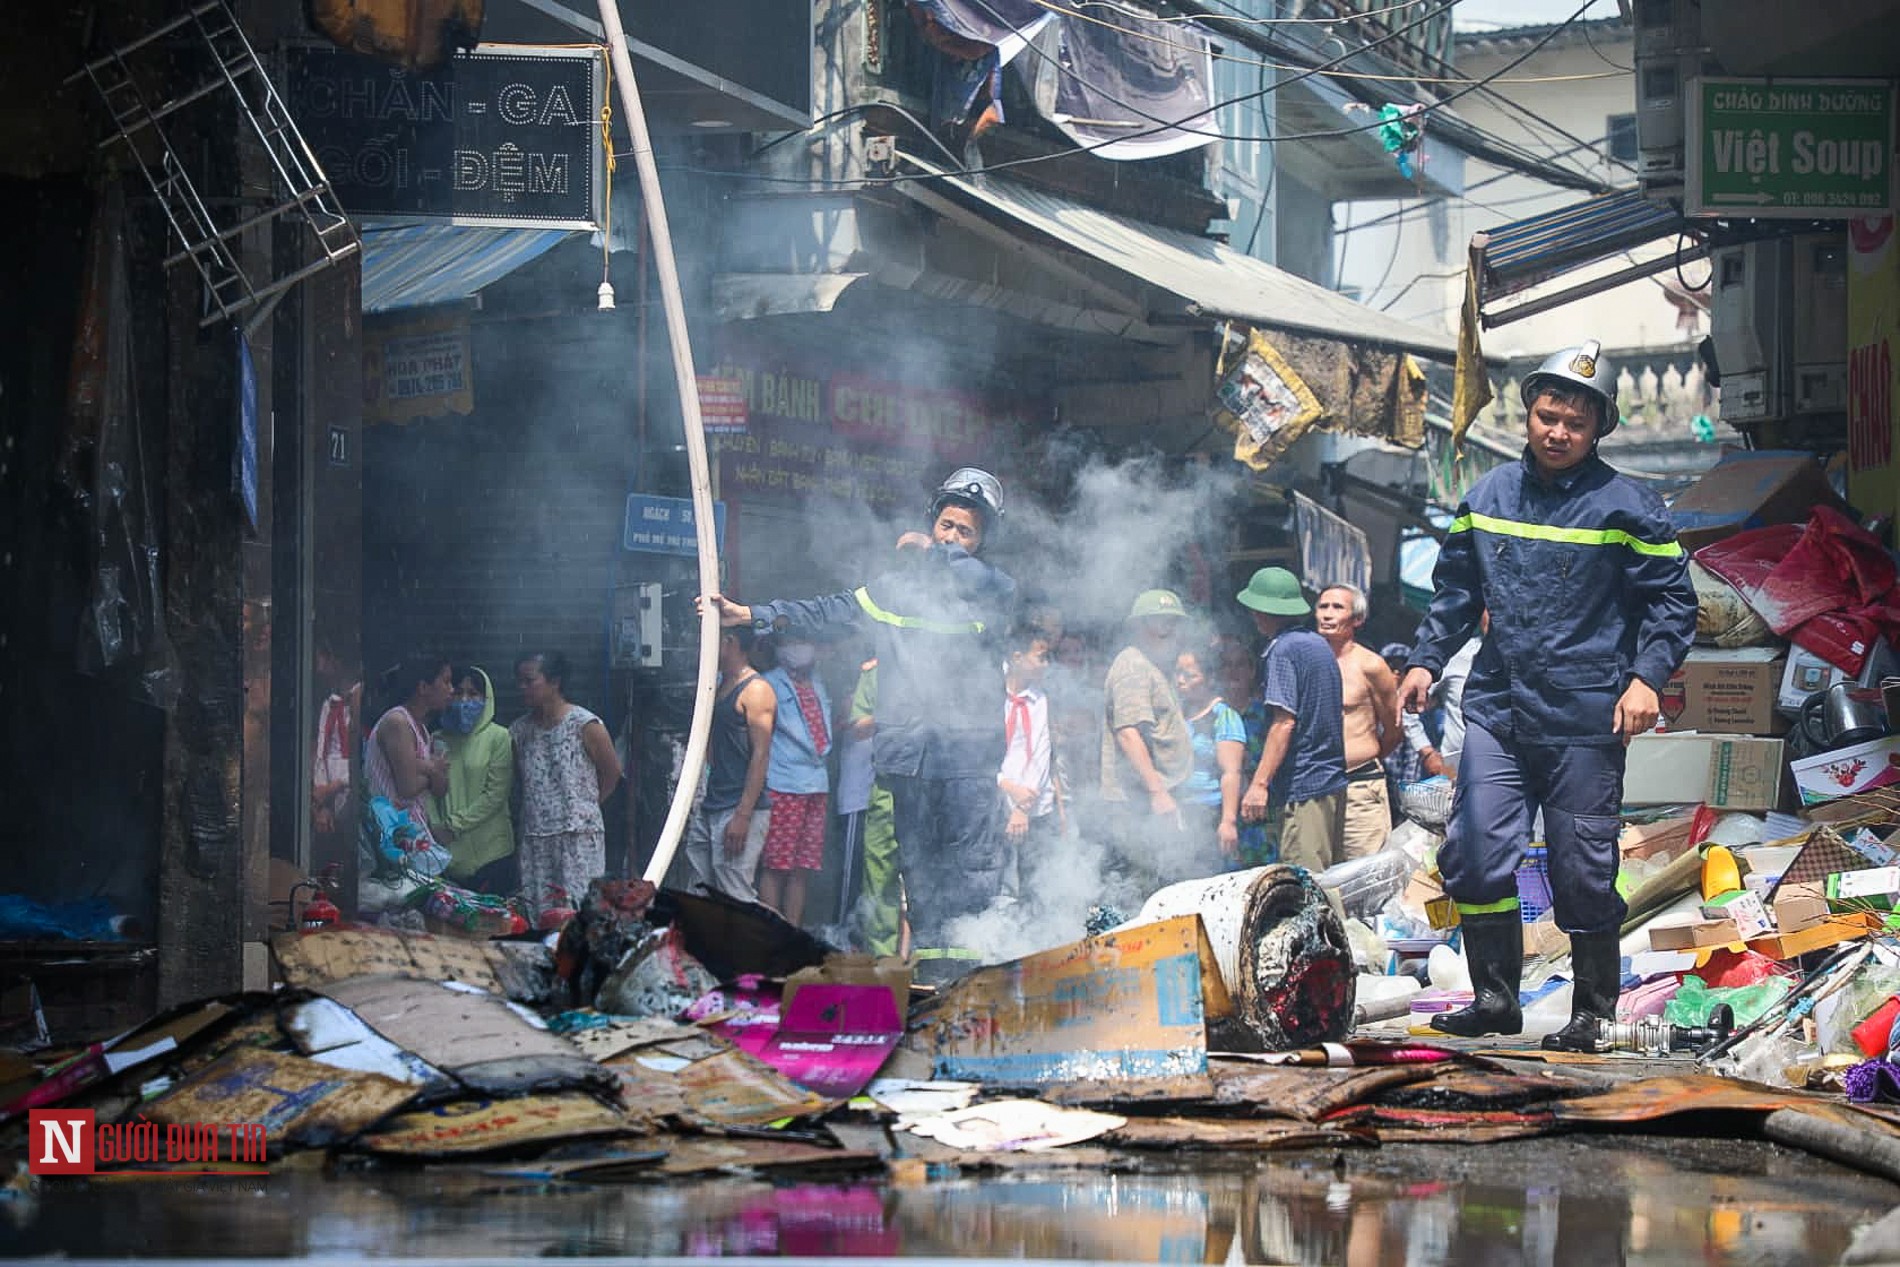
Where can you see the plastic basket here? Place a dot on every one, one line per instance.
(1427, 802)
(1533, 883)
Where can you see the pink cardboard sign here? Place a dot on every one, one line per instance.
(833, 1038)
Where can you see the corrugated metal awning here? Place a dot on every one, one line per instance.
(413, 265)
(1535, 249)
(1215, 280)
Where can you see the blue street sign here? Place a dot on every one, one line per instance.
(664, 525)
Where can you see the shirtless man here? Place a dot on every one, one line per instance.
(1371, 697)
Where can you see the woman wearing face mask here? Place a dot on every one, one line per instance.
(797, 780)
(472, 818)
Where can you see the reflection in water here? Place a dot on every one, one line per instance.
(1548, 1202)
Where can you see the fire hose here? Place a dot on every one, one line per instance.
(674, 306)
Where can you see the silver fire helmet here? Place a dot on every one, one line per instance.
(974, 487)
(1581, 366)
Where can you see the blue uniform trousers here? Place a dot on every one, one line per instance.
(1500, 788)
(950, 845)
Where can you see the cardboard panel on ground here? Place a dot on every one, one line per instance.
(733, 1089)
(299, 1102)
(472, 1127)
(524, 971)
(1232, 1134)
(1130, 1004)
(473, 1036)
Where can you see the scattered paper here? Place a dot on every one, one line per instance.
(912, 1097)
(1003, 1126)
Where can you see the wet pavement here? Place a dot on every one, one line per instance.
(1561, 1200)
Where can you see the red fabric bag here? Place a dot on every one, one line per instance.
(1829, 586)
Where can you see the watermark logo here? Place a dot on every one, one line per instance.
(71, 1142)
(59, 1142)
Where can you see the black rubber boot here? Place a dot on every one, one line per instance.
(1596, 959)
(1494, 947)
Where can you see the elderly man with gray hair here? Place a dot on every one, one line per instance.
(1370, 694)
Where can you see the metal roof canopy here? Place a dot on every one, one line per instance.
(1215, 280)
(1525, 253)
(410, 265)
(1521, 254)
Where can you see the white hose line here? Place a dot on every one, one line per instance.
(675, 308)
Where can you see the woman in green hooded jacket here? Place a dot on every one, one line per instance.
(480, 835)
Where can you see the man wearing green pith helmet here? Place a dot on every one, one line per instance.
(1303, 765)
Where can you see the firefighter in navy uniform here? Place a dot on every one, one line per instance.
(939, 620)
(1591, 611)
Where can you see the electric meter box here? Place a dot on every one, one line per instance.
(637, 626)
(1820, 323)
(1750, 309)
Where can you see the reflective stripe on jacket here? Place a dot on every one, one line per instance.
(938, 621)
(1587, 589)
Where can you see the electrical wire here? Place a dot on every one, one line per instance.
(1528, 157)
(860, 108)
(1264, 202)
(1404, 214)
(1033, 159)
(1527, 113)
(1264, 90)
(1320, 134)
(1070, 10)
(1398, 240)
(1683, 281)
(1167, 125)
(1368, 16)
(1601, 55)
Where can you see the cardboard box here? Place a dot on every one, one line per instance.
(1846, 771)
(1725, 693)
(1722, 771)
(1831, 931)
(1746, 910)
(1703, 932)
(1799, 907)
(1751, 490)
(1805, 673)
(1858, 890)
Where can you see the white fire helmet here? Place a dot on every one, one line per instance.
(1583, 367)
(974, 487)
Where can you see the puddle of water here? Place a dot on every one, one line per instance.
(1537, 1202)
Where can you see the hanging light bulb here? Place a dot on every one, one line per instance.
(606, 294)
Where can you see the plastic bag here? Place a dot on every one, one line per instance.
(92, 919)
(453, 909)
(1870, 989)
(403, 839)
(1695, 1000)
(1368, 948)
(1366, 884)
